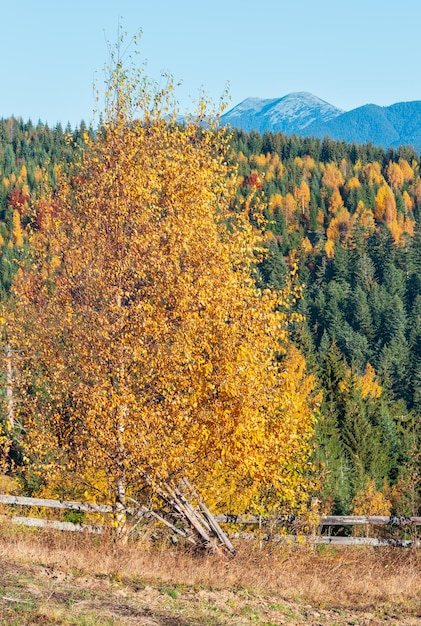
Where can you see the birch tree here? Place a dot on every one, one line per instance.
(145, 351)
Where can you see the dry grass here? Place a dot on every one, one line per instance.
(380, 581)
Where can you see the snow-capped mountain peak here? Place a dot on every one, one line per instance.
(287, 114)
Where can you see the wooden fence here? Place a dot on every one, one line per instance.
(317, 535)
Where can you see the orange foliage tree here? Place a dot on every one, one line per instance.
(145, 350)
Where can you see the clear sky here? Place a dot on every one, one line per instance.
(347, 53)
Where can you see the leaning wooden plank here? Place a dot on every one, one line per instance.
(56, 504)
(178, 531)
(35, 522)
(223, 537)
(175, 502)
(194, 511)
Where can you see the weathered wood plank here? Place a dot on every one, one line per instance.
(323, 539)
(375, 520)
(217, 530)
(328, 520)
(35, 522)
(56, 504)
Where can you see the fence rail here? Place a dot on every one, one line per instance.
(326, 520)
(56, 504)
(316, 537)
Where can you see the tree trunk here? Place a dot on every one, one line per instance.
(120, 506)
(10, 407)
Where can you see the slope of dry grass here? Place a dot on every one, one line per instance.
(53, 578)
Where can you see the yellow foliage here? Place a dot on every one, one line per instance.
(275, 202)
(302, 196)
(365, 217)
(274, 161)
(330, 249)
(23, 172)
(373, 173)
(396, 229)
(332, 231)
(289, 207)
(408, 201)
(385, 207)
(358, 166)
(280, 171)
(353, 183)
(340, 226)
(336, 202)
(320, 217)
(369, 501)
(38, 174)
(409, 226)
(259, 160)
(407, 171)
(344, 167)
(332, 176)
(309, 163)
(368, 383)
(9, 485)
(395, 175)
(17, 229)
(269, 175)
(147, 347)
(306, 245)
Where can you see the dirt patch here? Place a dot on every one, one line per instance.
(50, 578)
(44, 595)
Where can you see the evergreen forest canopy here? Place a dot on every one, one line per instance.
(348, 218)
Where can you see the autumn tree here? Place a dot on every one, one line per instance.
(145, 351)
(302, 196)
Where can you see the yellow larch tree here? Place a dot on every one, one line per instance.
(353, 183)
(289, 208)
(408, 202)
(336, 202)
(302, 196)
(385, 207)
(365, 217)
(332, 176)
(145, 351)
(372, 173)
(395, 175)
(406, 169)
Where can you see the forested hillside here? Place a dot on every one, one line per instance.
(349, 217)
(30, 159)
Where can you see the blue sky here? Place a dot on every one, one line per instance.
(347, 53)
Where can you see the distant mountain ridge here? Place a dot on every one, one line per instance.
(302, 113)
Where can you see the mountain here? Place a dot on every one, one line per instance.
(304, 114)
(290, 114)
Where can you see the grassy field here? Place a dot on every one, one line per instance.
(58, 578)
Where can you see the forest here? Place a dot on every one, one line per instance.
(339, 258)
